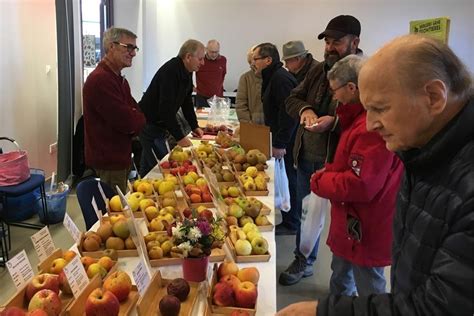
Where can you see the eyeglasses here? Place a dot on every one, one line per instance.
(130, 48)
(341, 86)
(258, 58)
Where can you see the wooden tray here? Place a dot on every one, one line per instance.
(100, 253)
(149, 302)
(249, 258)
(220, 310)
(217, 255)
(252, 192)
(265, 210)
(196, 205)
(77, 307)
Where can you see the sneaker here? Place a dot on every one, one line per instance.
(296, 270)
(282, 229)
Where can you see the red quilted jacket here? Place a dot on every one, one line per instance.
(362, 183)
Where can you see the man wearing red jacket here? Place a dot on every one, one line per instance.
(361, 183)
(111, 115)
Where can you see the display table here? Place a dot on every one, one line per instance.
(266, 302)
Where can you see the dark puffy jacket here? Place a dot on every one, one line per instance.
(433, 247)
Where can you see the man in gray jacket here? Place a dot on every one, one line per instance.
(311, 104)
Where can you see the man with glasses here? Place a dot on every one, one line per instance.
(210, 77)
(170, 90)
(111, 115)
(311, 104)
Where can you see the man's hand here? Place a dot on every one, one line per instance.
(324, 123)
(278, 152)
(300, 309)
(198, 132)
(308, 117)
(185, 142)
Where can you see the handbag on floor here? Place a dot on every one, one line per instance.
(282, 189)
(14, 168)
(313, 215)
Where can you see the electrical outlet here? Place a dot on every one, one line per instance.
(53, 148)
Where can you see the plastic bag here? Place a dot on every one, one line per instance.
(313, 214)
(282, 189)
(219, 112)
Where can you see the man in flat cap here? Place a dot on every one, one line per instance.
(311, 104)
(297, 59)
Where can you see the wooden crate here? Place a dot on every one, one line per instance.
(249, 258)
(100, 253)
(148, 304)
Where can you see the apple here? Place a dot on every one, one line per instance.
(236, 211)
(115, 204)
(243, 247)
(46, 300)
(165, 165)
(69, 255)
(249, 274)
(187, 212)
(12, 311)
(145, 188)
(120, 229)
(155, 252)
(169, 305)
(195, 198)
(116, 217)
(145, 203)
(206, 197)
(40, 282)
(136, 183)
(166, 186)
(169, 201)
(106, 262)
(262, 220)
(116, 243)
(94, 235)
(239, 313)
(207, 214)
(137, 196)
(111, 253)
(103, 303)
(229, 200)
(105, 231)
(129, 244)
(94, 269)
(233, 191)
(251, 235)
(118, 283)
(133, 203)
(64, 284)
(87, 261)
(230, 279)
(246, 295)
(259, 246)
(249, 227)
(151, 212)
(227, 267)
(166, 247)
(231, 220)
(57, 265)
(201, 182)
(223, 295)
(38, 312)
(156, 224)
(244, 220)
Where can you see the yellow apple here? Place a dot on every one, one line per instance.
(115, 204)
(146, 203)
(166, 186)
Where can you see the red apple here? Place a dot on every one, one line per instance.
(13, 311)
(64, 284)
(46, 300)
(187, 212)
(230, 279)
(103, 303)
(207, 214)
(40, 282)
(227, 267)
(223, 295)
(246, 295)
(38, 312)
(165, 165)
(206, 197)
(119, 283)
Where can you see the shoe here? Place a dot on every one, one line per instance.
(296, 270)
(282, 229)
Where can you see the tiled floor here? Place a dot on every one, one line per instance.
(308, 289)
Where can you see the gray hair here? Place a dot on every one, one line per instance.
(347, 69)
(191, 46)
(114, 34)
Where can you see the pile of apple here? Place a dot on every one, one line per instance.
(160, 220)
(158, 245)
(114, 234)
(100, 266)
(222, 174)
(253, 157)
(198, 193)
(106, 300)
(243, 210)
(201, 211)
(235, 287)
(178, 291)
(205, 150)
(231, 191)
(224, 140)
(248, 240)
(253, 180)
(213, 130)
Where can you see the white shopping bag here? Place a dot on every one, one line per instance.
(312, 221)
(282, 189)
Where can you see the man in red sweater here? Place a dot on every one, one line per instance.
(111, 115)
(210, 77)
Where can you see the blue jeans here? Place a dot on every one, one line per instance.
(351, 280)
(149, 141)
(303, 176)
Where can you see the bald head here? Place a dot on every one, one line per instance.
(212, 49)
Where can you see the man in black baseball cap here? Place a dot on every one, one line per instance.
(316, 139)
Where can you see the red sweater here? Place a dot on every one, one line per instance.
(111, 119)
(210, 77)
(362, 182)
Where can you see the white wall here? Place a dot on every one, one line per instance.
(163, 25)
(28, 95)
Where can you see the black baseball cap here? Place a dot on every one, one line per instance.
(341, 26)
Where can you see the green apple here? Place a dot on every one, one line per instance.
(236, 211)
(259, 246)
(243, 247)
(249, 227)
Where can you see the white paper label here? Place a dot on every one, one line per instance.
(76, 276)
(20, 269)
(141, 277)
(72, 228)
(96, 209)
(43, 243)
(102, 193)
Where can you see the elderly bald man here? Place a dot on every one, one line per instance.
(419, 97)
(210, 77)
